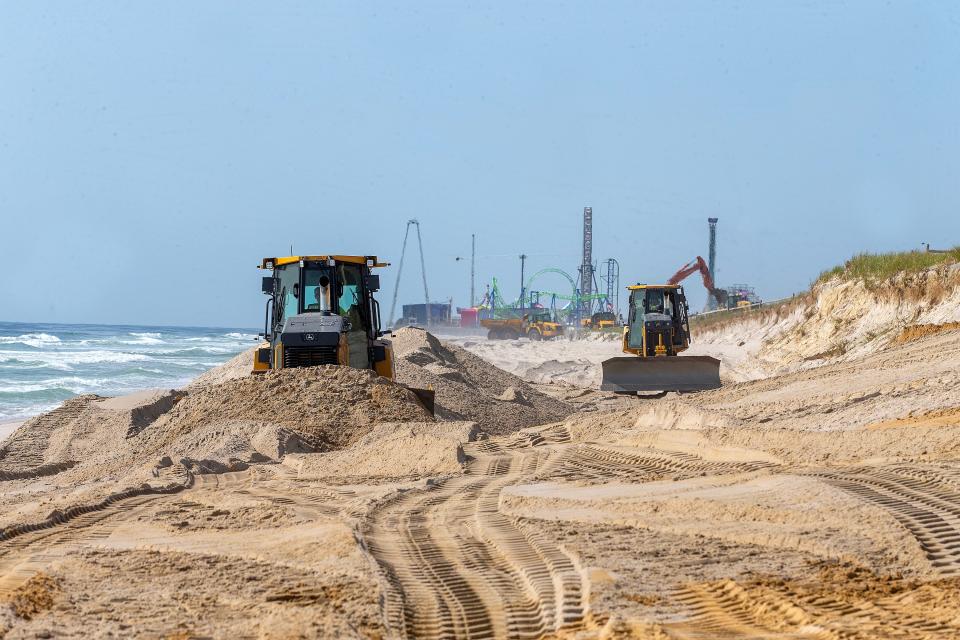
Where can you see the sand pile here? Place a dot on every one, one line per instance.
(390, 451)
(469, 388)
(331, 406)
(240, 366)
(214, 427)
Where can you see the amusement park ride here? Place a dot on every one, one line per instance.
(567, 308)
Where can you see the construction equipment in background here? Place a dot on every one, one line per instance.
(536, 324)
(601, 320)
(657, 330)
(719, 296)
(322, 311)
(741, 296)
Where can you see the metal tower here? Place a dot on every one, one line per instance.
(610, 274)
(423, 269)
(473, 270)
(712, 259)
(586, 267)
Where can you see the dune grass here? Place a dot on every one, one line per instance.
(880, 266)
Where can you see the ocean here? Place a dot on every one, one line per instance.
(41, 365)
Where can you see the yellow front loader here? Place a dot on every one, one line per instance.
(322, 311)
(656, 332)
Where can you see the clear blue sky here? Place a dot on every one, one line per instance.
(152, 153)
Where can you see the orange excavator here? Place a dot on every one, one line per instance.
(699, 264)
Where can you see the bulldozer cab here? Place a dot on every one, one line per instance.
(539, 315)
(658, 323)
(322, 311)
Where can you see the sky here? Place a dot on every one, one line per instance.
(152, 153)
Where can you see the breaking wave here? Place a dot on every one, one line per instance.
(42, 364)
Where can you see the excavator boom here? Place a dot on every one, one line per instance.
(699, 264)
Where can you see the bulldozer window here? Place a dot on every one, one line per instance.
(288, 301)
(318, 289)
(350, 288)
(351, 307)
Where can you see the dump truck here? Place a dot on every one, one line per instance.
(600, 320)
(536, 325)
(656, 332)
(321, 311)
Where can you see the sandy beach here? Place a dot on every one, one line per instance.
(6, 428)
(806, 493)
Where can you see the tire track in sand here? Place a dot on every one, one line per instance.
(925, 499)
(726, 609)
(456, 567)
(26, 549)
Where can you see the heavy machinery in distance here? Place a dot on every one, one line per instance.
(536, 324)
(600, 320)
(321, 311)
(656, 332)
(699, 264)
(733, 297)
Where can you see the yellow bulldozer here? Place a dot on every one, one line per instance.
(321, 311)
(656, 332)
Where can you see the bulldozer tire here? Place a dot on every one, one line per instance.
(493, 334)
(533, 334)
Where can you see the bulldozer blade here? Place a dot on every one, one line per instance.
(665, 373)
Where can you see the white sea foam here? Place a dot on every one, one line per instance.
(72, 384)
(38, 369)
(144, 338)
(31, 339)
(54, 358)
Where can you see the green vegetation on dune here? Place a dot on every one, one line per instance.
(880, 266)
(872, 268)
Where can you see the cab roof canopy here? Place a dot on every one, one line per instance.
(371, 261)
(634, 287)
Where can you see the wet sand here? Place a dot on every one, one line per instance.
(6, 428)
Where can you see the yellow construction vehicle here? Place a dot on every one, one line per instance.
(599, 321)
(321, 310)
(657, 330)
(536, 325)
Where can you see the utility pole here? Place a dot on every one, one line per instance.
(473, 263)
(523, 260)
(712, 259)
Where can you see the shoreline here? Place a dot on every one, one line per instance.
(6, 428)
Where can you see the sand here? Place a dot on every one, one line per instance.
(806, 498)
(468, 388)
(6, 428)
